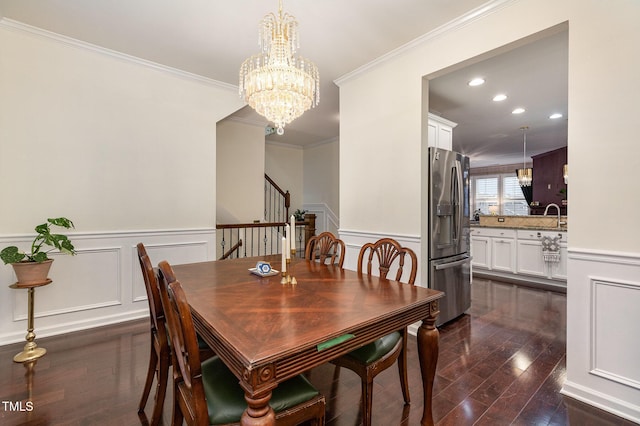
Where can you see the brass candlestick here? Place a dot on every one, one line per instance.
(286, 276)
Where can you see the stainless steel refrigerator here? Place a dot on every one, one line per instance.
(448, 231)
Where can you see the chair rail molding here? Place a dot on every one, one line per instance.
(101, 285)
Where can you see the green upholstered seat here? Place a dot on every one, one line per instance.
(377, 349)
(225, 397)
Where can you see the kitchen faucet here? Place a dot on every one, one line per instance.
(558, 211)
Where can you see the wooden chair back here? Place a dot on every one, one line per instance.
(189, 395)
(151, 286)
(389, 254)
(325, 246)
(160, 353)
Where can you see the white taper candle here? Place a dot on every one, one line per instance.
(293, 232)
(287, 248)
(283, 268)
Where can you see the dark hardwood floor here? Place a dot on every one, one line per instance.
(503, 363)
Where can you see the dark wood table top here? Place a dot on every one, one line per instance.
(262, 318)
(267, 332)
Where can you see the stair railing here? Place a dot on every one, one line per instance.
(276, 202)
(261, 239)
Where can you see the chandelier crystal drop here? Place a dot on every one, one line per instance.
(275, 83)
(525, 175)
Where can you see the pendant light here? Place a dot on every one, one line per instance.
(276, 83)
(525, 174)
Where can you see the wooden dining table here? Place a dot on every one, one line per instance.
(267, 332)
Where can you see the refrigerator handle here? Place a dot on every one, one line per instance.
(457, 197)
(453, 264)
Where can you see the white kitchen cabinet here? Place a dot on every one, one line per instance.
(440, 132)
(503, 252)
(530, 256)
(481, 252)
(493, 248)
(559, 270)
(511, 253)
(529, 260)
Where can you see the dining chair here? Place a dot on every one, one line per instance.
(375, 357)
(325, 246)
(160, 353)
(208, 393)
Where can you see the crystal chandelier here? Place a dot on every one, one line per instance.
(525, 175)
(276, 84)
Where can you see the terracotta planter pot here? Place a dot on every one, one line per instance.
(32, 272)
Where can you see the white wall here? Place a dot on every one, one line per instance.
(283, 164)
(124, 148)
(322, 184)
(240, 172)
(381, 106)
(604, 254)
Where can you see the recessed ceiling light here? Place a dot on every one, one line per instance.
(518, 111)
(476, 82)
(556, 115)
(500, 97)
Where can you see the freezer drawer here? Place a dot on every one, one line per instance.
(453, 276)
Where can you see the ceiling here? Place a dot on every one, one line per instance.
(212, 38)
(533, 76)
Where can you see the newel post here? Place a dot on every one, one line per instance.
(287, 204)
(309, 225)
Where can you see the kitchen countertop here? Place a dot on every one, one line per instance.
(532, 222)
(528, 228)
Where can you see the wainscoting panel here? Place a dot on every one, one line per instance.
(603, 329)
(174, 253)
(612, 301)
(77, 286)
(101, 285)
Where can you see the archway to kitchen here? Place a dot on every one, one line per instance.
(533, 74)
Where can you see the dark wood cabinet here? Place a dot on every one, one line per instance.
(548, 180)
(539, 210)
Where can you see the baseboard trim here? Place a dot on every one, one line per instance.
(533, 282)
(70, 327)
(602, 401)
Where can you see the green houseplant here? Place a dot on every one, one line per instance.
(299, 214)
(34, 266)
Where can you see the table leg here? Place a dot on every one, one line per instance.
(428, 340)
(31, 350)
(258, 412)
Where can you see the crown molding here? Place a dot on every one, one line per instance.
(11, 24)
(283, 145)
(451, 26)
(322, 142)
(248, 121)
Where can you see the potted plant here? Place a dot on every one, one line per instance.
(299, 215)
(33, 267)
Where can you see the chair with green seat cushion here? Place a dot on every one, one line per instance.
(160, 353)
(209, 393)
(225, 399)
(375, 357)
